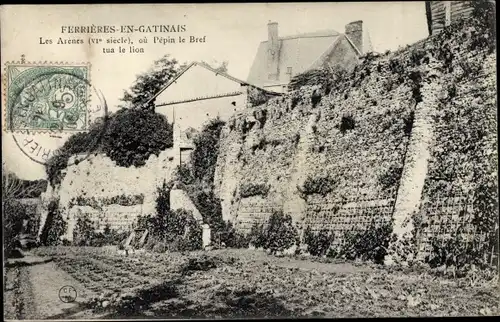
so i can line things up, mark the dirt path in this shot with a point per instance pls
(37, 292)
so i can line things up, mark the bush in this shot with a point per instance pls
(256, 236)
(13, 213)
(160, 247)
(318, 244)
(193, 239)
(458, 251)
(230, 237)
(204, 156)
(253, 189)
(368, 245)
(279, 233)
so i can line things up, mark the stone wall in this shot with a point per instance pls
(179, 199)
(297, 141)
(379, 170)
(99, 177)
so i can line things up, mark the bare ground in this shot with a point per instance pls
(235, 283)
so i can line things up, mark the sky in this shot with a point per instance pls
(233, 33)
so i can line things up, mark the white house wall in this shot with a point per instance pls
(197, 82)
(196, 113)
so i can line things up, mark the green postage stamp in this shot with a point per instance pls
(47, 97)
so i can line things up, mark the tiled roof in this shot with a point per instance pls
(299, 52)
(234, 79)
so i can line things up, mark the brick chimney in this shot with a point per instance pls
(273, 47)
(354, 30)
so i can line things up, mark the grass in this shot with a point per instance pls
(247, 283)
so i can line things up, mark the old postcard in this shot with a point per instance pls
(249, 160)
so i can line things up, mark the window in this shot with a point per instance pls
(289, 70)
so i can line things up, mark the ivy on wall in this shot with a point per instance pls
(125, 137)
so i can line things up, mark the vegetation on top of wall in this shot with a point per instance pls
(327, 77)
(257, 96)
(129, 140)
(253, 189)
(125, 137)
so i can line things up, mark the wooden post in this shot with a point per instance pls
(447, 8)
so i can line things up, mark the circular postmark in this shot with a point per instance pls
(47, 104)
(68, 294)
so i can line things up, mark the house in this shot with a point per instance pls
(196, 95)
(443, 13)
(278, 59)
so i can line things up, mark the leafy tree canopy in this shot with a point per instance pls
(151, 82)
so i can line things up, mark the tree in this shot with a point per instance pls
(204, 156)
(14, 212)
(150, 83)
(55, 226)
(13, 187)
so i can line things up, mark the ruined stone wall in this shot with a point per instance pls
(99, 177)
(386, 166)
(297, 141)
